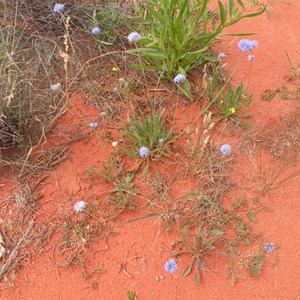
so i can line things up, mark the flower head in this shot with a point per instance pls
(179, 78)
(171, 266)
(251, 57)
(161, 141)
(225, 149)
(93, 125)
(79, 206)
(144, 151)
(58, 8)
(269, 247)
(232, 110)
(247, 45)
(55, 87)
(95, 31)
(221, 55)
(134, 37)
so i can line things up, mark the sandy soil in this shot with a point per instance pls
(142, 247)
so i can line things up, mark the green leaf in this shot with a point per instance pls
(239, 202)
(185, 91)
(187, 270)
(251, 216)
(145, 170)
(255, 14)
(214, 232)
(143, 67)
(223, 12)
(240, 2)
(197, 277)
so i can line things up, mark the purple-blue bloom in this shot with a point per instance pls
(171, 266)
(251, 57)
(93, 125)
(225, 149)
(179, 78)
(58, 8)
(221, 55)
(134, 37)
(144, 152)
(269, 247)
(247, 45)
(95, 30)
(79, 206)
(55, 87)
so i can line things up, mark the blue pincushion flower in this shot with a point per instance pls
(134, 37)
(55, 87)
(95, 31)
(251, 57)
(171, 266)
(247, 45)
(93, 125)
(58, 8)
(79, 206)
(225, 149)
(179, 78)
(144, 152)
(269, 247)
(221, 55)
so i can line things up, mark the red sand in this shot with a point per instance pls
(141, 246)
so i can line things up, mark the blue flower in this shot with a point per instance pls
(95, 30)
(134, 37)
(55, 87)
(225, 149)
(247, 45)
(144, 152)
(93, 125)
(171, 266)
(179, 78)
(79, 206)
(251, 57)
(221, 55)
(58, 8)
(269, 247)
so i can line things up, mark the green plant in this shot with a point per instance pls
(150, 132)
(229, 101)
(124, 191)
(197, 247)
(131, 295)
(255, 263)
(110, 18)
(295, 70)
(178, 34)
(121, 196)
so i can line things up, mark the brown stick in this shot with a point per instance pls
(15, 252)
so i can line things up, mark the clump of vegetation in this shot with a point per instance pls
(150, 132)
(179, 33)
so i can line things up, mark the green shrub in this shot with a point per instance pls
(178, 34)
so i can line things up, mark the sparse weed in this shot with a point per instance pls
(295, 70)
(255, 263)
(122, 196)
(131, 295)
(110, 19)
(197, 247)
(229, 101)
(151, 133)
